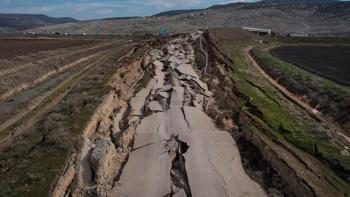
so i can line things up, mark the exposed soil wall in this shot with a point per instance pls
(29, 165)
(107, 139)
(228, 115)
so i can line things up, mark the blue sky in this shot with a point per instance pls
(92, 9)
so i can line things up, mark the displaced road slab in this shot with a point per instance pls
(178, 151)
(214, 152)
(177, 97)
(147, 172)
(186, 69)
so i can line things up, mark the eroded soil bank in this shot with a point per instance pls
(103, 148)
(37, 155)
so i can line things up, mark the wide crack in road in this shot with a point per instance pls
(178, 151)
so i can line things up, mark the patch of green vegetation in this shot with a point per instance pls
(283, 122)
(338, 91)
(332, 178)
(33, 175)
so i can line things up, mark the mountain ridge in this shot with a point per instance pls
(218, 6)
(312, 18)
(14, 22)
(298, 1)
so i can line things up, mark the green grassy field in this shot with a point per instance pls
(315, 81)
(283, 119)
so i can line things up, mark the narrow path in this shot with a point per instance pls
(27, 100)
(311, 111)
(31, 117)
(178, 151)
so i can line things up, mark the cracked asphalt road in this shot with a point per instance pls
(211, 164)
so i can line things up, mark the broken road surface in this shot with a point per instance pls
(178, 151)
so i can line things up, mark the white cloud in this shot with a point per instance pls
(171, 3)
(104, 11)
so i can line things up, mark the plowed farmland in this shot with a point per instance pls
(14, 47)
(329, 61)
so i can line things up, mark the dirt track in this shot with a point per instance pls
(36, 117)
(313, 112)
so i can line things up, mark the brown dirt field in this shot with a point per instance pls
(10, 48)
(328, 61)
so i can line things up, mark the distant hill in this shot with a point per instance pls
(285, 16)
(298, 1)
(13, 22)
(119, 18)
(176, 12)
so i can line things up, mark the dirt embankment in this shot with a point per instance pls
(107, 139)
(228, 115)
(37, 155)
(272, 162)
(335, 107)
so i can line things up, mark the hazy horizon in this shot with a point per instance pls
(91, 9)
